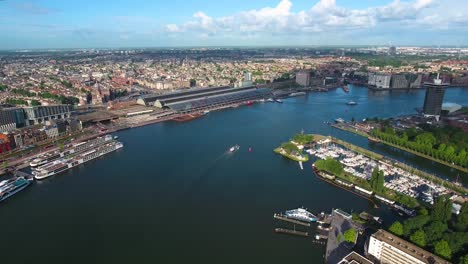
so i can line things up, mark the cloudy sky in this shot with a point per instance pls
(157, 23)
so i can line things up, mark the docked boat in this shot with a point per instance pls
(270, 100)
(279, 101)
(234, 148)
(339, 120)
(187, 117)
(402, 210)
(373, 139)
(297, 94)
(64, 164)
(12, 186)
(351, 103)
(206, 112)
(74, 149)
(301, 214)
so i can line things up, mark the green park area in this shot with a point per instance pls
(292, 150)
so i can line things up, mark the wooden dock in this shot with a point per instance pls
(291, 232)
(285, 218)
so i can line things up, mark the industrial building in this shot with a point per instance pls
(388, 248)
(39, 114)
(15, 117)
(203, 98)
(434, 97)
(11, 118)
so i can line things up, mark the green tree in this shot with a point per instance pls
(442, 248)
(35, 102)
(415, 223)
(464, 259)
(434, 231)
(350, 235)
(419, 238)
(457, 241)
(462, 218)
(423, 211)
(442, 209)
(377, 180)
(396, 228)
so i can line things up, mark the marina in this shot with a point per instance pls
(396, 179)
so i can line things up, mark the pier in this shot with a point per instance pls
(19, 173)
(285, 218)
(291, 232)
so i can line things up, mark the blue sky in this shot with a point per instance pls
(144, 23)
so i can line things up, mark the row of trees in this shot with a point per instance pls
(438, 231)
(46, 95)
(426, 143)
(60, 98)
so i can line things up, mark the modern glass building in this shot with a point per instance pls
(434, 98)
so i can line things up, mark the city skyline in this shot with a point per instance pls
(45, 24)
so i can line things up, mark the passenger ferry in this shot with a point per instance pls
(62, 165)
(301, 214)
(75, 148)
(12, 186)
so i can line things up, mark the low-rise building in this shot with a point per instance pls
(354, 258)
(388, 248)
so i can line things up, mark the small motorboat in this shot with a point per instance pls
(234, 148)
(351, 103)
(250, 149)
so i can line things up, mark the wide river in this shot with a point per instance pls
(173, 194)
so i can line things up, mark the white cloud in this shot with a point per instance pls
(324, 16)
